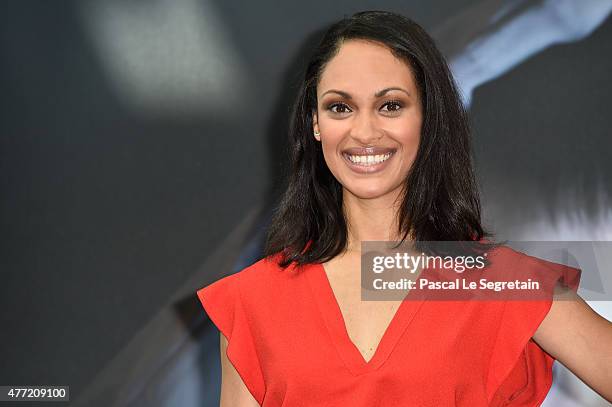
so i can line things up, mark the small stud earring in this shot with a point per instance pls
(317, 134)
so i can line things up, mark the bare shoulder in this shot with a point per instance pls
(570, 320)
(233, 390)
(573, 333)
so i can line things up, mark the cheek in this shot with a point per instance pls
(333, 159)
(409, 129)
(334, 130)
(409, 139)
(332, 134)
(412, 141)
(408, 136)
(330, 153)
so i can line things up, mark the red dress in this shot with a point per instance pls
(288, 342)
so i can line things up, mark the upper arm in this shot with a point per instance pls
(234, 392)
(581, 339)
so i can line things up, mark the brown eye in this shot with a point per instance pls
(339, 108)
(393, 106)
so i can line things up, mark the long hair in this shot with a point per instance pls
(440, 200)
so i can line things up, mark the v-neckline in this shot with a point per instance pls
(331, 313)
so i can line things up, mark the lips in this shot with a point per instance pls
(368, 150)
(368, 160)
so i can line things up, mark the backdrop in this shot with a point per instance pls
(141, 149)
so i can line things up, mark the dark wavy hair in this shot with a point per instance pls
(440, 200)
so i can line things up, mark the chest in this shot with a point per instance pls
(328, 339)
(365, 321)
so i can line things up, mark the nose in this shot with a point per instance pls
(364, 129)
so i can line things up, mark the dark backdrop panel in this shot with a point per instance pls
(107, 210)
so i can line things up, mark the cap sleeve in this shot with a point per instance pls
(520, 372)
(222, 302)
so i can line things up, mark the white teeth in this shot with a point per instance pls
(367, 160)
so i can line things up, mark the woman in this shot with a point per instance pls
(381, 152)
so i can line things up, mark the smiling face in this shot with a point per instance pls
(369, 118)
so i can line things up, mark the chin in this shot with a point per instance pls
(368, 191)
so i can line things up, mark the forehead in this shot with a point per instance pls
(364, 67)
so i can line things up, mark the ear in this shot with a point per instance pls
(315, 125)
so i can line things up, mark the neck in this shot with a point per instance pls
(371, 219)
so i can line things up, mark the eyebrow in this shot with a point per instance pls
(377, 94)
